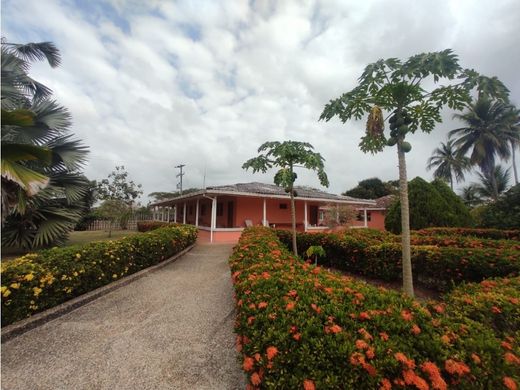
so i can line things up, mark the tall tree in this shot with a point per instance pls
(399, 88)
(286, 156)
(42, 186)
(486, 135)
(470, 196)
(448, 163)
(371, 188)
(486, 188)
(514, 139)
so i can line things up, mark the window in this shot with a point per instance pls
(322, 215)
(361, 217)
(283, 206)
(220, 209)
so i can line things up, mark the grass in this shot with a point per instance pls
(79, 238)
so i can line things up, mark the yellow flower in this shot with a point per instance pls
(78, 256)
(114, 276)
(75, 273)
(2, 290)
(64, 277)
(6, 293)
(29, 277)
(33, 307)
(37, 291)
(15, 285)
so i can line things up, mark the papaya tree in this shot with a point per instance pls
(286, 156)
(396, 91)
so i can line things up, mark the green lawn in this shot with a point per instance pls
(78, 238)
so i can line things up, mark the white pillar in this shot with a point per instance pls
(305, 216)
(365, 215)
(213, 217)
(168, 217)
(264, 222)
(175, 214)
(197, 214)
(184, 214)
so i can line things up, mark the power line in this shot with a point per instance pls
(180, 174)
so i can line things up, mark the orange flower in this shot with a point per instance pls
(475, 358)
(496, 310)
(439, 309)
(292, 293)
(290, 306)
(258, 357)
(328, 290)
(510, 383)
(407, 315)
(315, 308)
(357, 359)
(445, 339)
(308, 385)
(297, 336)
(365, 334)
(248, 363)
(250, 320)
(411, 378)
(360, 344)
(364, 316)
(415, 329)
(384, 336)
(369, 368)
(454, 367)
(435, 376)
(511, 358)
(408, 363)
(506, 345)
(262, 305)
(385, 384)
(370, 353)
(271, 352)
(335, 328)
(255, 379)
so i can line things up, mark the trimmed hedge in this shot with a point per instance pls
(300, 327)
(493, 234)
(379, 256)
(38, 281)
(146, 226)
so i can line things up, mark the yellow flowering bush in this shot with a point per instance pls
(38, 281)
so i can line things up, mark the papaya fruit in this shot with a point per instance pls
(406, 147)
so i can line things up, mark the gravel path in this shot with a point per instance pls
(172, 329)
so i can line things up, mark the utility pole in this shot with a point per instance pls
(180, 175)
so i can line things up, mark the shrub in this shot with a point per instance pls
(299, 326)
(505, 212)
(430, 205)
(436, 267)
(493, 234)
(146, 226)
(38, 281)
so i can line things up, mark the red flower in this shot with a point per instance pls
(360, 344)
(454, 367)
(258, 357)
(364, 316)
(255, 379)
(415, 329)
(315, 308)
(250, 320)
(290, 306)
(496, 310)
(510, 383)
(506, 345)
(407, 315)
(408, 363)
(248, 364)
(335, 329)
(411, 378)
(370, 353)
(292, 293)
(511, 358)
(297, 336)
(475, 358)
(271, 352)
(384, 336)
(308, 385)
(385, 384)
(435, 376)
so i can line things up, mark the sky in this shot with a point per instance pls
(154, 84)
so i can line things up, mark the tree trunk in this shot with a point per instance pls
(513, 158)
(293, 221)
(110, 229)
(405, 222)
(494, 185)
(451, 181)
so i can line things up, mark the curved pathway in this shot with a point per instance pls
(172, 329)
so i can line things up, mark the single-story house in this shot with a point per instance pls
(222, 212)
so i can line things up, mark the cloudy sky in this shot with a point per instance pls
(152, 84)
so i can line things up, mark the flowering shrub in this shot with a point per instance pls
(300, 327)
(146, 226)
(494, 234)
(434, 266)
(38, 281)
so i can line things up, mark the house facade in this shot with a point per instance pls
(222, 212)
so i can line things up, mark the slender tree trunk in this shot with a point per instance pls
(451, 181)
(494, 185)
(110, 229)
(405, 222)
(293, 221)
(513, 158)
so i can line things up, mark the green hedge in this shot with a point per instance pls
(146, 226)
(42, 280)
(493, 234)
(368, 254)
(300, 327)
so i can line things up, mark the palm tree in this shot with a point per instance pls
(485, 136)
(42, 188)
(501, 177)
(448, 163)
(470, 195)
(514, 139)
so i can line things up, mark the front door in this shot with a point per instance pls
(313, 215)
(230, 216)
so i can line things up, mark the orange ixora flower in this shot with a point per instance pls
(510, 383)
(271, 352)
(496, 310)
(290, 306)
(415, 329)
(361, 344)
(435, 376)
(364, 316)
(511, 358)
(454, 367)
(248, 363)
(411, 378)
(308, 385)
(475, 358)
(335, 329)
(384, 336)
(408, 363)
(406, 315)
(370, 353)
(255, 379)
(385, 384)
(262, 305)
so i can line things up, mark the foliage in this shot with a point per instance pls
(163, 195)
(146, 226)
(118, 187)
(339, 215)
(299, 326)
(315, 251)
(448, 163)
(371, 188)
(38, 281)
(470, 196)
(430, 205)
(505, 212)
(500, 179)
(439, 262)
(43, 192)
(286, 156)
(492, 234)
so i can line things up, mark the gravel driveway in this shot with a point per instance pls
(172, 329)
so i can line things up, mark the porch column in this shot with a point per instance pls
(168, 217)
(365, 217)
(305, 216)
(337, 214)
(197, 214)
(175, 214)
(264, 221)
(213, 217)
(184, 213)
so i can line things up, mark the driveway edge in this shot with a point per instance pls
(18, 328)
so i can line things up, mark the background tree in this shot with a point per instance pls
(493, 187)
(486, 135)
(470, 196)
(163, 195)
(339, 215)
(514, 139)
(42, 186)
(286, 156)
(371, 188)
(399, 88)
(505, 212)
(448, 163)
